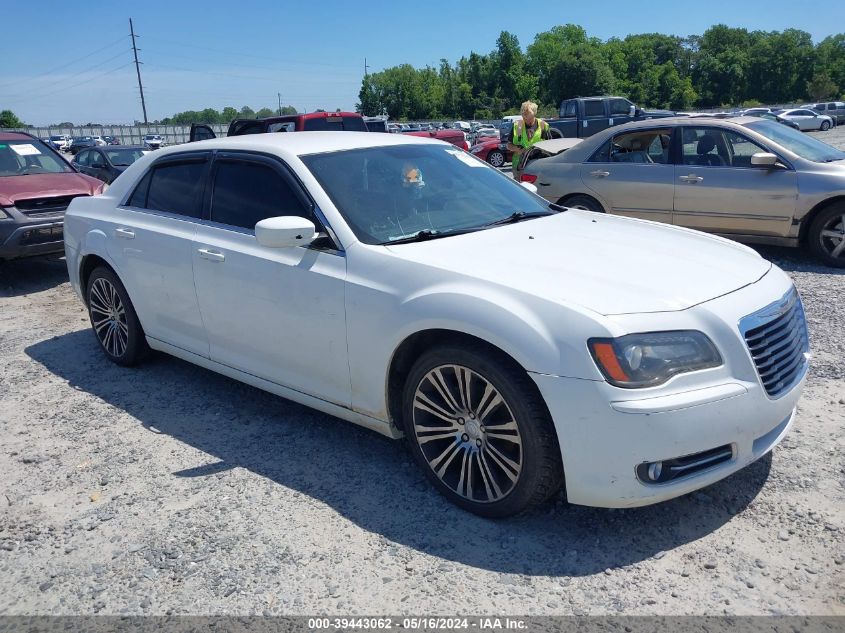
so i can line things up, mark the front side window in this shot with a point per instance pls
(177, 188)
(620, 107)
(704, 147)
(393, 193)
(83, 159)
(124, 157)
(29, 156)
(245, 193)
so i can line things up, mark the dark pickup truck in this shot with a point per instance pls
(584, 116)
(312, 121)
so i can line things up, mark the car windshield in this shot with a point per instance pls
(25, 157)
(124, 157)
(797, 142)
(396, 192)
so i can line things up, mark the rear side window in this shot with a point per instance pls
(246, 127)
(569, 109)
(594, 107)
(335, 123)
(139, 196)
(245, 193)
(177, 188)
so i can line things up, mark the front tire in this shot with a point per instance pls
(480, 431)
(826, 236)
(113, 318)
(825, 126)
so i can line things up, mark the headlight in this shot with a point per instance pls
(652, 358)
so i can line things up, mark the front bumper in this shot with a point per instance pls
(609, 436)
(29, 239)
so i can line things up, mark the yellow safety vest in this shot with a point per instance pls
(520, 137)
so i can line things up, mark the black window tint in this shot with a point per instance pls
(239, 128)
(569, 109)
(602, 154)
(176, 188)
(619, 107)
(139, 196)
(594, 107)
(245, 193)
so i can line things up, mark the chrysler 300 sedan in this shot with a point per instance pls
(746, 178)
(402, 284)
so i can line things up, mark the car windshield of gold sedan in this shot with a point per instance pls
(797, 142)
(401, 192)
(21, 158)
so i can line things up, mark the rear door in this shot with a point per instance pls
(201, 132)
(594, 117)
(633, 174)
(718, 190)
(150, 238)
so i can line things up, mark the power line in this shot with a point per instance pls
(81, 72)
(65, 65)
(62, 89)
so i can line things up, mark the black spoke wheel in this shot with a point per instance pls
(478, 427)
(113, 318)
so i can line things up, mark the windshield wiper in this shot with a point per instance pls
(518, 216)
(428, 234)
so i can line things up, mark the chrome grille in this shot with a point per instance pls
(778, 342)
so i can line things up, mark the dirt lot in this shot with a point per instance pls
(170, 489)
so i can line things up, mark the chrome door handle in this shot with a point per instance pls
(212, 256)
(126, 234)
(600, 173)
(691, 178)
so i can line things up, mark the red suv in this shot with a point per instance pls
(36, 186)
(311, 122)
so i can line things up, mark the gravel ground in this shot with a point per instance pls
(169, 489)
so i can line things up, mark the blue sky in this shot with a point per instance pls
(72, 60)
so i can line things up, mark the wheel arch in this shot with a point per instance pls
(807, 220)
(410, 349)
(563, 200)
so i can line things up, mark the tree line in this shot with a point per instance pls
(226, 115)
(724, 67)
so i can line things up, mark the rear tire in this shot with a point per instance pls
(496, 158)
(478, 427)
(585, 203)
(113, 318)
(826, 236)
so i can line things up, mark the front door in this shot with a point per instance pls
(633, 174)
(275, 313)
(718, 190)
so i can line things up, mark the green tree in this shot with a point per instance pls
(228, 114)
(9, 119)
(263, 113)
(821, 87)
(246, 113)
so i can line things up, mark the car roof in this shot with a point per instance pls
(300, 143)
(15, 136)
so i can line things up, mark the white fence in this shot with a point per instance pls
(128, 134)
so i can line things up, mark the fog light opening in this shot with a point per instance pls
(654, 471)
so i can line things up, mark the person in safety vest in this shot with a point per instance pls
(527, 131)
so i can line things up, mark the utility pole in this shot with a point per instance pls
(279, 94)
(138, 70)
(365, 68)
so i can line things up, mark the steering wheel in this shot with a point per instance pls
(26, 168)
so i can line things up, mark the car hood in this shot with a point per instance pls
(658, 113)
(607, 264)
(557, 145)
(14, 188)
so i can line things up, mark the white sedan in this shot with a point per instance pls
(404, 285)
(807, 119)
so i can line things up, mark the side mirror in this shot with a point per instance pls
(530, 186)
(632, 110)
(284, 231)
(764, 159)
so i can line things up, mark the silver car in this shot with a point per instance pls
(745, 178)
(807, 119)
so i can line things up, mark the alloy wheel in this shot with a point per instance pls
(108, 317)
(467, 433)
(832, 236)
(497, 159)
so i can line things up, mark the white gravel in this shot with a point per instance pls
(170, 489)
